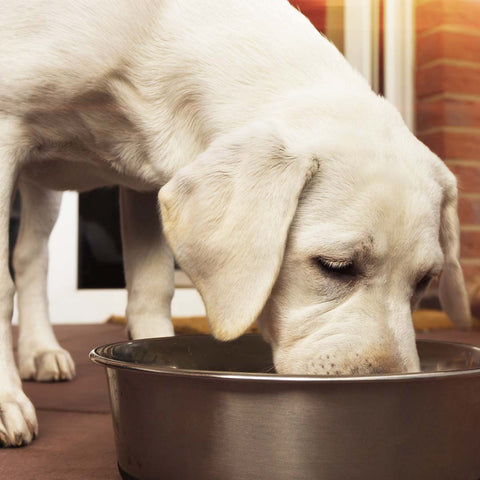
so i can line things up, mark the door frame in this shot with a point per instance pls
(399, 48)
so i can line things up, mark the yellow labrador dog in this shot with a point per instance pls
(289, 191)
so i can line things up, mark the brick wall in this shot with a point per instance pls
(326, 15)
(314, 10)
(448, 104)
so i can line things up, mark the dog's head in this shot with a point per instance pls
(326, 226)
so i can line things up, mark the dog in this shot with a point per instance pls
(288, 191)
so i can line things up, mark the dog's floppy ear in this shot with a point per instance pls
(226, 217)
(452, 291)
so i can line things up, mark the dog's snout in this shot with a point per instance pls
(376, 362)
(371, 361)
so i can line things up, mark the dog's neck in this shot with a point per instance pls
(212, 80)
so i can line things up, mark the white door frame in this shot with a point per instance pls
(358, 36)
(398, 20)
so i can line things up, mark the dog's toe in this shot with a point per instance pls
(54, 366)
(48, 366)
(18, 422)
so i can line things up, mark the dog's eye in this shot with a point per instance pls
(340, 267)
(423, 283)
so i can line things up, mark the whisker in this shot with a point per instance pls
(269, 369)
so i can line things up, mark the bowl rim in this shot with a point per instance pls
(99, 359)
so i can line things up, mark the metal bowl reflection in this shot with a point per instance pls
(191, 407)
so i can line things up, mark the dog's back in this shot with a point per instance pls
(160, 78)
(57, 49)
(53, 50)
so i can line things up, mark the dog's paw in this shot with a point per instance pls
(137, 330)
(47, 366)
(18, 422)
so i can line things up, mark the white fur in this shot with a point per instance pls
(274, 152)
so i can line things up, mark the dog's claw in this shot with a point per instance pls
(18, 439)
(18, 422)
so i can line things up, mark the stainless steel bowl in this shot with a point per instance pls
(190, 407)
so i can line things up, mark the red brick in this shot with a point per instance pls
(433, 140)
(471, 271)
(470, 244)
(447, 12)
(443, 112)
(463, 145)
(449, 45)
(468, 177)
(453, 144)
(447, 77)
(314, 10)
(469, 210)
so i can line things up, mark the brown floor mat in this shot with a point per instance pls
(71, 446)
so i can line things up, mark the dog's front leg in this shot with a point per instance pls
(148, 265)
(40, 357)
(18, 423)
